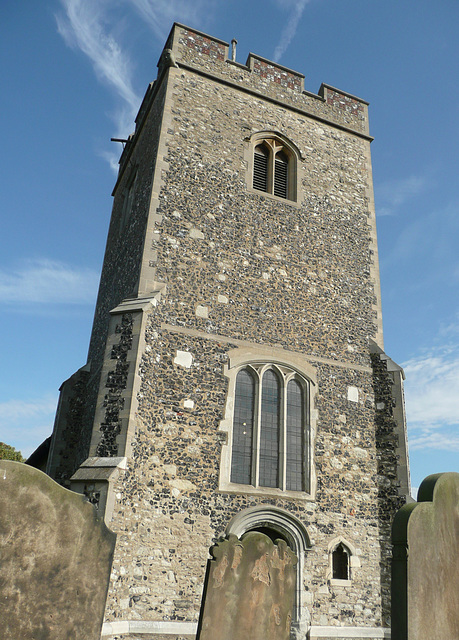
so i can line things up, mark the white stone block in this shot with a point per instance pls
(352, 394)
(195, 233)
(184, 359)
(170, 469)
(182, 485)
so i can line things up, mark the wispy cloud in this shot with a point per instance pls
(24, 424)
(94, 29)
(160, 14)
(391, 195)
(48, 282)
(435, 440)
(432, 399)
(16, 411)
(296, 8)
(83, 27)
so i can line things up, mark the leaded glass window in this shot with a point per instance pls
(241, 462)
(296, 450)
(270, 440)
(269, 430)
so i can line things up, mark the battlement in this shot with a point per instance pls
(219, 49)
(209, 55)
(198, 52)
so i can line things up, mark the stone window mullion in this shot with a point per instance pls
(256, 432)
(283, 438)
(271, 169)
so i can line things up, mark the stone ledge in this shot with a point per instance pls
(354, 633)
(151, 627)
(99, 468)
(131, 305)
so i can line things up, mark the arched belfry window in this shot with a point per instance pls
(281, 175)
(274, 168)
(270, 436)
(260, 167)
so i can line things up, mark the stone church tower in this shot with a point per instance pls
(236, 378)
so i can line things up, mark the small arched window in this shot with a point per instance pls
(343, 561)
(340, 563)
(274, 168)
(270, 439)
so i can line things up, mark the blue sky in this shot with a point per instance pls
(73, 73)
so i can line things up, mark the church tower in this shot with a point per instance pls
(236, 378)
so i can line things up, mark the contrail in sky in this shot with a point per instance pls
(288, 32)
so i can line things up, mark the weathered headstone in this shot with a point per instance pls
(250, 590)
(55, 559)
(425, 565)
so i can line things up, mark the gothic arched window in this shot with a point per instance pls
(340, 563)
(270, 439)
(343, 561)
(274, 168)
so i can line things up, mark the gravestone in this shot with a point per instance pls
(55, 559)
(425, 565)
(250, 590)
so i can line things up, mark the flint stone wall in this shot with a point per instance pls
(244, 267)
(169, 510)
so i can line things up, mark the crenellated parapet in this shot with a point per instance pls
(211, 55)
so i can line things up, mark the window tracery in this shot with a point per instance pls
(270, 439)
(274, 167)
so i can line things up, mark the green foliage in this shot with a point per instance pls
(9, 453)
